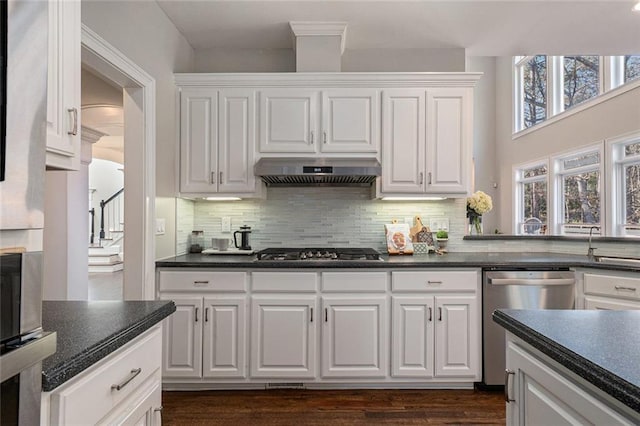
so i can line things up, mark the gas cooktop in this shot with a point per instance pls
(318, 254)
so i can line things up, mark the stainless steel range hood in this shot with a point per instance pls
(318, 171)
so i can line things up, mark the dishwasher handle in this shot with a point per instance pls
(532, 281)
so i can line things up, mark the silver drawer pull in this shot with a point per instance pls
(200, 283)
(507, 377)
(621, 287)
(434, 282)
(133, 375)
(74, 117)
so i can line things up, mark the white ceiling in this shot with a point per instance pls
(484, 28)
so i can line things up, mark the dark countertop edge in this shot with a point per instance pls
(510, 237)
(620, 389)
(61, 373)
(413, 263)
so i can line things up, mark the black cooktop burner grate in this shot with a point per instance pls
(315, 253)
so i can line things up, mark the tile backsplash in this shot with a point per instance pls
(299, 217)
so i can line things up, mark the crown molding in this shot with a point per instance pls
(319, 29)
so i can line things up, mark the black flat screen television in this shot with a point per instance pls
(3, 86)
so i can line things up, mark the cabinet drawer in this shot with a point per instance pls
(202, 281)
(434, 281)
(609, 303)
(354, 281)
(611, 285)
(89, 397)
(284, 281)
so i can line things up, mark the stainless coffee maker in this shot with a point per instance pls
(244, 238)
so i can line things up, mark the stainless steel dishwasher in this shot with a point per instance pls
(518, 289)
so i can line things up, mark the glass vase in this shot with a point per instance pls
(475, 225)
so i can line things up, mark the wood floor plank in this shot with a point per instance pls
(333, 407)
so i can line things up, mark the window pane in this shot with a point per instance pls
(582, 198)
(535, 90)
(631, 67)
(535, 203)
(534, 171)
(581, 79)
(632, 196)
(632, 149)
(582, 160)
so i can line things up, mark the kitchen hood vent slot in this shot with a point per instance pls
(318, 172)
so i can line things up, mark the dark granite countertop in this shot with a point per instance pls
(89, 331)
(449, 260)
(602, 347)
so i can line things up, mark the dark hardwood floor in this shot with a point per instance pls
(333, 407)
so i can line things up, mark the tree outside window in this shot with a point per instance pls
(631, 67)
(581, 79)
(534, 90)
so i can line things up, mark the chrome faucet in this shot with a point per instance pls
(591, 249)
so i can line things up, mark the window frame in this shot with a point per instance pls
(616, 199)
(611, 80)
(520, 181)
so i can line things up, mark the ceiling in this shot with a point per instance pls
(484, 28)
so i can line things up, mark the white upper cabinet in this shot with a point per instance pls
(350, 120)
(403, 141)
(217, 141)
(288, 120)
(427, 140)
(63, 92)
(293, 122)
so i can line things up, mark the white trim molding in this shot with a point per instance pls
(319, 29)
(102, 56)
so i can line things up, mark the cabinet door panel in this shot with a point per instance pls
(605, 303)
(287, 121)
(236, 142)
(403, 141)
(412, 345)
(63, 86)
(224, 345)
(354, 340)
(198, 140)
(283, 337)
(182, 340)
(448, 140)
(457, 337)
(350, 120)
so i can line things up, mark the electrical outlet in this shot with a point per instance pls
(160, 226)
(439, 223)
(226, 224)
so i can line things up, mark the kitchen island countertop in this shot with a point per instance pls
(89, 331)
(449, 260)
(602, 347)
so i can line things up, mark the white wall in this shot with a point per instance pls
(360, 60)
(95, 90)
(106, 178)
(484, 135)
(142, 32)
(608, 119)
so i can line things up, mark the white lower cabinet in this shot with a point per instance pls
(612, 290)
(206, 337)
(283, 339)
(541, 392)
(354, 336)
(321, 327)
(436, 325)
(122, 389)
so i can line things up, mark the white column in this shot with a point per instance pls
(66, 228)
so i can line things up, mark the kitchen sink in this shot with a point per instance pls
(612, 260)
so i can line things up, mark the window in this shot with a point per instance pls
(532, 198)
(545, 86)
(533, 74)
(578, 189)
(581, 79)
(626, 187)
(631, 67)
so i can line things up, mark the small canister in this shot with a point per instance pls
(196, 242)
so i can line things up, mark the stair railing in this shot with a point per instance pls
(92, 234)
(113, 216)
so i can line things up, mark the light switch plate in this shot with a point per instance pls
(226, 224)
(439, 223)
(161, 226)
